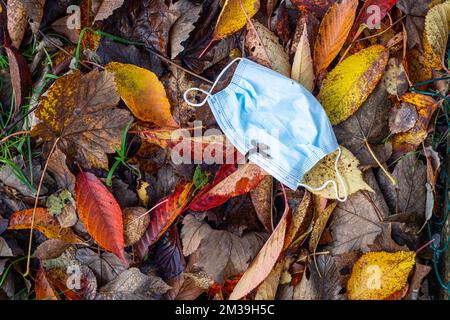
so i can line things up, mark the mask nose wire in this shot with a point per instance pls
(341, 181)
(207, 93)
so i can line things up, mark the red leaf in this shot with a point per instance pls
(239, 182)
(163, 217)
(20, 76)
(43, 289)
(363, 16)
(100, 213)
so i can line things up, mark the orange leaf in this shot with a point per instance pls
(43, 222)
(100, 213)
(143, 93)
(163, 217)
(242, 181)
(264, 262)
(44, 290)
(333, 32)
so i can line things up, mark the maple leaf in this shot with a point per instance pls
(79, 110)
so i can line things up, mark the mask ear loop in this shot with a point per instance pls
(207, 93)
(341, 181)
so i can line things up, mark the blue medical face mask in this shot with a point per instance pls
(261, 107)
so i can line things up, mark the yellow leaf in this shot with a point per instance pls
(380, 275)
(324, 170)
(302, 67)
(348, 85)
(143, 93)
(232, 18)
(437, 28)
(333, 31)
(265, 47)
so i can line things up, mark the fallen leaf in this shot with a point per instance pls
(268, 288)
(163, 217)
(300, 219)
(57, 166)
(50, 249)
(319, 226)
(409, 194)
(232, 18)
(104, 8)
(437, 27)
(135, 223)
(264, 262)
(247, 177)
(44, 223)
(267, 50)
(219, 253)
(100, 213)
(380, 275)
(20, 76)
(43, 289)
(17, 21)
(356, 222)
(35, 11)
(319, 7)
(322, 282)
(79, 109)
(420, 272)
(133, 285)
(369, 123)
(169, 254)
(333, 32)
(324, 170)
(302, 67)
(408, 141)
(366, 16)
(189, 14)
(143, 93)
(415, 20)
(5, 250)
(348, 85)
(262, 199)
(402, 118)
(395, 78)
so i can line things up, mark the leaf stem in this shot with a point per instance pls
(378, 162)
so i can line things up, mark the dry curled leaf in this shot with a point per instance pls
(324, 170)
(79, 110)
(135, 223)
(380, 275)
(437, 27)
(348, 85)
(102, 9)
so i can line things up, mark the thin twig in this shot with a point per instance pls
(13, 135)
(27, 272)
(379, 163)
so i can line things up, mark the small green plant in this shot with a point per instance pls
(121, 156)
(200, 178)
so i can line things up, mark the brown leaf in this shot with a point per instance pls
(319, 226)
(333, 31)
(402, 118)
(408, 195)
(262, 198)
(17, 21)
(58, 167)
(20, 76)
(44, 290)
(395, 78)
(322, 282)
(420, 272)
(102, 9)
(356, 222)
(300, 219)
(79, 109)
(269, 52)
(135, 223)
(369, 122)
(50, 249)
(263, 263)
(319, 7)
(219, 253)
(268, 288)
(35, 11)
